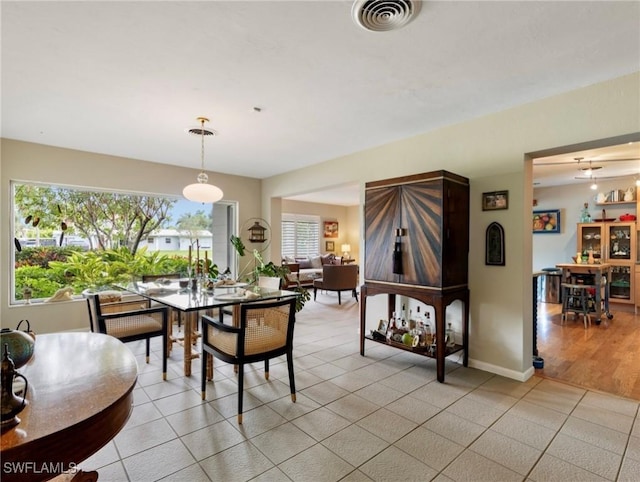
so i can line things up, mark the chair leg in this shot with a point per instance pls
(165, 355)
(339, 300)
(315, 291)
(203, 373)
(292, 381)
(240, 390)
(355, 294)
(266, 369)
(148, 348)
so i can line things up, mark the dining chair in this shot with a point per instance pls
(129, 321)
(269, 282)
(264, 331)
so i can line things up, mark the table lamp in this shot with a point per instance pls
(346, 249)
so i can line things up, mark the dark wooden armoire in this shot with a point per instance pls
(417, 245)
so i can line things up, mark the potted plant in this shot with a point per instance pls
(271, 269)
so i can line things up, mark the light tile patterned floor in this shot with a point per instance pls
(382, 417)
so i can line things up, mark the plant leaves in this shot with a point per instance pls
(63, 226)
(28, 219)
(16, 242)
(59, 209)
(61, 237)
(36, 221)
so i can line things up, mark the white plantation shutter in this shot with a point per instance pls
(300, 235)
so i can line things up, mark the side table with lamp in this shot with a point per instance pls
(346, 254)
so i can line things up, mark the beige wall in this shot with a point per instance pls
(490, 151)
(34, 162)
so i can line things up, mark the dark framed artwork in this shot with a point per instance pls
(330, 229)
(493, 201)
(329, 246)
(494, 245)
(546, 222)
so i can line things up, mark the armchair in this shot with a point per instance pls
(337, 278)
(128, 321)
(265, 331)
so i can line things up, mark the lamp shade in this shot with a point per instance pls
(202, 193)
(346, 248)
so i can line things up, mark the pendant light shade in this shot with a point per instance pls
(202, 191)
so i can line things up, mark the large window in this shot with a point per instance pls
(79, 238)
(300, 235)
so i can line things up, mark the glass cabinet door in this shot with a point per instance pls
(620, 245)
(620, 285)
(590, 238)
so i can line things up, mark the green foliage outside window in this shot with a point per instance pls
(47, 269)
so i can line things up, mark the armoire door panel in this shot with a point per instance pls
(422, 217)
(382, 218)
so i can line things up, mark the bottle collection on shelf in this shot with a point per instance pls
(416, 333)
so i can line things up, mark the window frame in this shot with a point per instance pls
(231, 210)
(311, 246)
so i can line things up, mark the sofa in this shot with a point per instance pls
(306, 269)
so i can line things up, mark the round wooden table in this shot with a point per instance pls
(80, 395)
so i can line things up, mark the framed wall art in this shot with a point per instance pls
(546, 221)
(494, 245)
(329, 246)
(493, 201)
(330, 229)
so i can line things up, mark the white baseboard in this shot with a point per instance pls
(515, 375)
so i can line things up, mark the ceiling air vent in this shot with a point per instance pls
(383, 15)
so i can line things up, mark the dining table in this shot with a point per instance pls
(194, 300)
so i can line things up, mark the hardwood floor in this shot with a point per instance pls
(603, 357)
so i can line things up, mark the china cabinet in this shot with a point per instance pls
(613, 243)
(417, 245)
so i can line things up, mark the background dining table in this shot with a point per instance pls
(192, 302)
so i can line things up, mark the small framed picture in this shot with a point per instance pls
(330, 229)
(546, 222)
(329, 246)
(382, 327)
(493, 201)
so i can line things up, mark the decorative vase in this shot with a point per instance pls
(20, 344)
(628, 195)
(10, 404)
(591, 259)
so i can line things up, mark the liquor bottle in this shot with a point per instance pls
(428, 334)
(450, 338)
(393, 327)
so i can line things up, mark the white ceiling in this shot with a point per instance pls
(127, 78)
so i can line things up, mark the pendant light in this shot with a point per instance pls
(202, 191)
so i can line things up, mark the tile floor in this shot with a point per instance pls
(382, 417)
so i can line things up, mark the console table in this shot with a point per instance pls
(439, 299)
(80, 395)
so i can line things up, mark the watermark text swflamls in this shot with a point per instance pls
(39, 468)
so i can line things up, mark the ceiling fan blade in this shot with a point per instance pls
(601, 161)
(599, 178)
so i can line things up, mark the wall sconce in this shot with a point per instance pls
(346, 249)
(257, 233)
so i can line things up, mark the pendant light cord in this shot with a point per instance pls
(202, 142)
